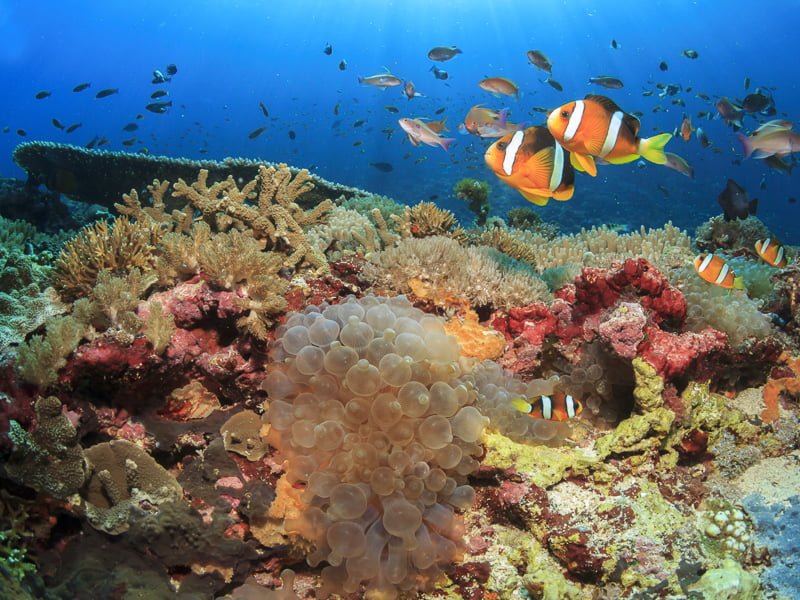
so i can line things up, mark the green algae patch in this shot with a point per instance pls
(543, 465)
(638, 433)
(649, 386)
(729, 581)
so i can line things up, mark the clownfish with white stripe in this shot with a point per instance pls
(771, 252)
(558, 407)
(596, 127)
(534, 164)
(716, 271)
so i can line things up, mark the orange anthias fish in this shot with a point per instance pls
(686, 128)
(420, 132)
(533, 163)
(499, 86)
(771, 252)
(716, 271)
(488, 123)
(597, 127)
(558, 407)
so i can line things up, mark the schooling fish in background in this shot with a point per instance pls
(730, 112)
(539, 60)
(263, 108)
(419, 132)
(756, 102)
(56, 123)
(488, 123)
(771, 252)
(158, 107)
(663, 66)
(735, 202)
(774, 138)
(42, 95)
(605, 81)
(778, 164)
(716, 271)
(615, 45)
(702, 137)
(81, 86)
(106, 92)
(443, 53)
(342, 65)
(499, 86)
(558, 407)
(73, 127)
(439, 73)
(409, 91)
(554, 84)
(328, 49)
(677, 163)
(381, 80)
(686, 128)
(159, 94)
(689, 53)
(597, 127)
(533, 163)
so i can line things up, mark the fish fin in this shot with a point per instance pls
(747, 147)
(632, 123)
(537, 199)
(564, 194)
(502, 118)
(621, 160)
(521, 405)
(583, 162)
(760, 154)
(604, 101)
(738, 283)
(412, 140)
(462, 129)
(539, 166)
(652, 148)
(445, 143)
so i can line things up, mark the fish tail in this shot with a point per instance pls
(738, 283)
(445, 143)
(502, 118)
(747, 147)
(652, 149)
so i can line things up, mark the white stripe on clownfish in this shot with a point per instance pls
(558, 167)
(706, 261)
(511, 151)
(612, 134)
(723, 273)
(570, 404)
(547, 407)
(574, 121)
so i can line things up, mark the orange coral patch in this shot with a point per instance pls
(781, 387)
(476, 341)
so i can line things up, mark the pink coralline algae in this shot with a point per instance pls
(673, 354)
(632, 307)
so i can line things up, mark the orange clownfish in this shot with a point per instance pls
(716, 271)
(597, 127)
(771, 253)
(559, 407)
(533, 163)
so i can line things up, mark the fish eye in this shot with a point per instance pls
(564, 113)
(501, 145)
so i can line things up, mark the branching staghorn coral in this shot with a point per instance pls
(267, 205)
(118, 247)
(40, 358)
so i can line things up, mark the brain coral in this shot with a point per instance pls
(368, 409)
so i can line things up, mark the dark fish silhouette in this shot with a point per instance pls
(57, 124)
(689, 53)
(129, 142)
(663, 65)
(443, 53)
(554, 84)
(106, 92)
(342, 65)
(614, 44)
(171, 69)
(42, 95)
(735, 202)
(73, 127)
(130, 127)
(292, 134)
(383, 167)
(328, 49)
(22, 132)
(158, 107)
(256, 132)
(605, 81)
(158, 94)
(81, 86)
(263, 109)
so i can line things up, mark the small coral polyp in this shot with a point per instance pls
(368, 409)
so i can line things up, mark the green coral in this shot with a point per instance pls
(40, 358)
(730, 581)
(476, 194)
(49, 460)
(159, 327)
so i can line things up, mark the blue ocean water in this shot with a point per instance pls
(233, 55)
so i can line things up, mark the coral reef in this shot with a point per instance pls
(476, 194)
